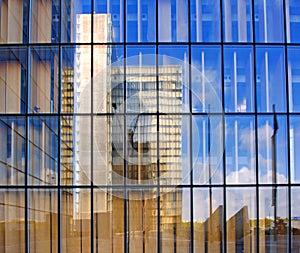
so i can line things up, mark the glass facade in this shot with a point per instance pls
(149, 126)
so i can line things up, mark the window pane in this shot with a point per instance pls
(205, 21)
(294, 81)
(295, 212)
(173, 20)
(295, 148)
(76, 20)
(268, 16)
(42, 220)
(14, 21)
(240, 150)
(140, 21)
(273, 234)
(208, 220)
(75, 220)
(292, 21)
(43, 150)
(44, 81)
(12, 216)
(108, 21)
(237, 20)
(12, 150)
(241, 220)
(206, 79)
(45, 18)
(268, 173)
(270, 79)
(13, 69)
(238, 79)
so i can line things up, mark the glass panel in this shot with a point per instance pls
(206, 79)
(14, 21)
(207, 149)
(294, 149)
(175, 219)
(294, 78)
(205, 21)
(108, 21)
(140, 21)
(272, 166)
(44, 80)
(238, 79)
(109, 221)
(142, 220)
(268, 17)
(295, 212)
(237, 20)
(270, 79)
(173, 73)
(75, 150)
(13, 71)
(76, 20)
(12, 150)
(240, 150)
(241, 220)
(43, 151)
(173, 20)
(140, 80)
(292, 21)
(273, 233)
(208, 220)
(174, 149)
(12, 217)
(42, 220)
(76, 79)
(45, 18)
(75, 220)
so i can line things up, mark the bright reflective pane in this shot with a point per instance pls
(206, 79)
(75, 218)
(12, 150)
(294, 149)
(237, 20)
(208, 220)
(12, 217)
(140, 21)
(43, 220)
(173, 81)
(42, 150)
(292, 9)
(76, 79)
(207, 141)
(173, 21)
(241, 220)
(13, 69)
(272, 165)
(294, 75)
(273, 233)
(238, 79)
(295, 212)
(108, 21)
(240, 150)
(269, 22)
(142, 220)
(205, 21)
(76, 20)
(75, 153)
(14, 21)
(109, 221)
(45, 20)
(44, 80)
(175, 219)
(270, 79)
